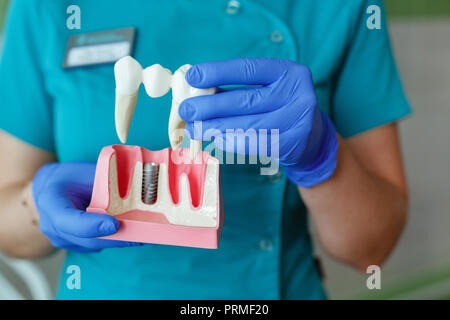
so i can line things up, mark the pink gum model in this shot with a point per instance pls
(117, 180)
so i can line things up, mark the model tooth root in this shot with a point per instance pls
(128, 76)
(181, 90)
(124, 110)
(176, 127)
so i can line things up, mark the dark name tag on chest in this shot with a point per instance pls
(98, 47)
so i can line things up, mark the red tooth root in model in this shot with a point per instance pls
(188, 210)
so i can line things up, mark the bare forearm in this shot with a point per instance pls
(358, 215)
(19, 232)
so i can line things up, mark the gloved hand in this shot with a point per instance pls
(284, 99)
(61, 192)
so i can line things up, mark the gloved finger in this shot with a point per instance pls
(65, 218)
(79, 173)
(263, 71)
(99, 244)
(231, 103)
(106, 243)
(72, 243)
(66, 245)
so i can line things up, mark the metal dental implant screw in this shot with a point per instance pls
(150, 182)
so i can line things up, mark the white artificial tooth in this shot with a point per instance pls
(157, 80)
(128, 75)
(182, 90)
(125, 106)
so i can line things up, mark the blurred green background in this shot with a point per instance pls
(425, 8)
(3, 7)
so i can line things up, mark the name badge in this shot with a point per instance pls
(98, 47)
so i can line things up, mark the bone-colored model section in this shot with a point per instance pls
(180, 214)
(157, 81)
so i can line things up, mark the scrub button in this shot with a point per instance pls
(276, 36)
(233, 7)
(266, 245)
(274, 178)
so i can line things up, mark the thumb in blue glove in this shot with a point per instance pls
(283, 99)
(62, 192)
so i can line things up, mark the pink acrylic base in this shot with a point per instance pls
(153, 227)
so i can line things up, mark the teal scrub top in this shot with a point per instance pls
(265, 250)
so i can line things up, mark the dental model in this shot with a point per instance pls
(162, 196)
(157, 82)
(187, 209)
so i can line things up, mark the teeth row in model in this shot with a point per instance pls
(157, 81)
(150, 182)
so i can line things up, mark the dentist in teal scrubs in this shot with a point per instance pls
(311, 69)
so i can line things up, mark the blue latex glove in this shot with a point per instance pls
(284, 99)
(62, 192)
